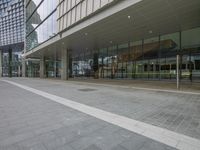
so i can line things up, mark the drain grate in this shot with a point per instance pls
(87, 90)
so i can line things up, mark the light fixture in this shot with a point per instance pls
(150, 31)
(129, 17)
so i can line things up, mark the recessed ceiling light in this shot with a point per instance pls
(129, 17)
(150, 31)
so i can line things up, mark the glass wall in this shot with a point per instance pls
(190, 42)
(11, 22)
(15, 64)
(169, 48)
(41, 22)
(153, 58)
(44, 20)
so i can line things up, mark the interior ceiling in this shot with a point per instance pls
(158, 16)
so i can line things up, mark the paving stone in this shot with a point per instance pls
(164, 109)
(65, 147)
(136, 142)
(118, 147)
(155, 146)
(93, 147)
(31, 121)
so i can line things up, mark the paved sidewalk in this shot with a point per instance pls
(27, 117)
(30, 122)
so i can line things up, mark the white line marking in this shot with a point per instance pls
(162, 135)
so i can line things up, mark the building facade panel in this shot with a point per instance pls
(11, 36)
(136, 44)
(72, 11)
(11, 22)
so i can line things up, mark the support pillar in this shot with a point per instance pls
(1, 70)
(55, 67)
(42, 68)
(19, 71)
(177, 71)
(10, 63)
(64, 64)
(23, 67)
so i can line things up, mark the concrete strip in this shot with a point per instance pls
(162, 135)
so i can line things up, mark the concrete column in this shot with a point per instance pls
(19, 71)
(178, 71)
(64, 65)
(1, 71)
(10, 63)
(55, 67)
(23, 67)
(42, 68)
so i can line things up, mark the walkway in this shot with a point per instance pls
(34, 115)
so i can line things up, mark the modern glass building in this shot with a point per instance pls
(114, 39)
(11, 36)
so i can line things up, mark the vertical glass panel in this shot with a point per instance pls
(50, 26)
(169, 45)
(191, 58)
(190, 38)
(150, 54)
(137, 58)
(45, 30)
(123, 57)
(54, 24)
(102, 62)
(112, 62)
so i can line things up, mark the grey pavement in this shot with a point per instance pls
(29, 121)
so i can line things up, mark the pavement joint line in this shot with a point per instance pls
(158, 134)
(140, 88)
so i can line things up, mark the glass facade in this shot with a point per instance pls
(45, 18)
(153, 58)
(15, 64)
(11, 22)
(11, 36)
(41, 21)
